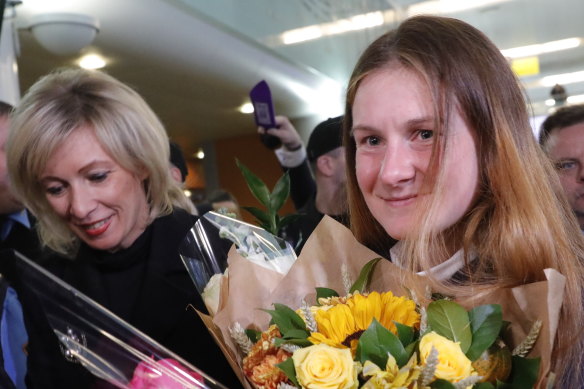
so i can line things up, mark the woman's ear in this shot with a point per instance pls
(142, 173)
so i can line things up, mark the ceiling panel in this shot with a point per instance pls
(195, 60)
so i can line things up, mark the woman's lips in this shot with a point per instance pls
(400, 201)
(97, 228)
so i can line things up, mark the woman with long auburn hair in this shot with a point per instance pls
(441, 156)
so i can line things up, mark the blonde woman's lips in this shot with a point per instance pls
(97, 228)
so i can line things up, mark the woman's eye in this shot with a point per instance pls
(54, 190)
(425, 134)
(98, 177)
(372, 140)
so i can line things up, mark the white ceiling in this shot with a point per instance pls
(194, 61)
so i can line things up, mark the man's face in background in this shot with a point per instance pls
(566, 148)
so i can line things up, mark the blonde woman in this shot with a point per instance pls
(441, 156)
(91, 160)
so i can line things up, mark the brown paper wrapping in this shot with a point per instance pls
(332, 246)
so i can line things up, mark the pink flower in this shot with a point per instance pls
(163, 374)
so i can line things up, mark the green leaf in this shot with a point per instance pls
(325, 293)
(257, 187)
(485, 323)
(483, 385)
(523, 373)
(442, 384)
(253, 335)
(262, 217)
(450, 320)
(404, 333)
(410, 348)
(296, 334)
(364, 276)
(280, 193)
(288, 368)
(286, 319)
(376, 342)
(299, 342)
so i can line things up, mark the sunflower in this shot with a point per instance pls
(341, 325)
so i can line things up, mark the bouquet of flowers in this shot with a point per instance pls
(378, 340)
(101, 342)
(409, 343)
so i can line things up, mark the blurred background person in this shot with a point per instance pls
(326, 158)
(16, 233)
(90, 159)
(178, 165)
(179, 170)
(293, 159)
(223, 202)
(562, 138)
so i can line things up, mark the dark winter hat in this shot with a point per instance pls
(325, 137)
(177, 159)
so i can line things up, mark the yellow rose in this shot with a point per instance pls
(453, 365)
(323, 366)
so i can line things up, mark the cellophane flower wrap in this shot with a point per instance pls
(101, 342)
(379, 339)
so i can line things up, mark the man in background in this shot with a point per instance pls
(323, 194)
(15, 233)
(179, 170)
(562, 138)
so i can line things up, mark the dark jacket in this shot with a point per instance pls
(298, 231)
(146, 285)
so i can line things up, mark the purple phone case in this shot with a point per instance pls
(261, 98)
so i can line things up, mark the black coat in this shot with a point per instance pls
(146, 285)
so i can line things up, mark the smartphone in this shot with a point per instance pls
(263, 111)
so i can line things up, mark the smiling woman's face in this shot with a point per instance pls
(101, 202)
(393, 126)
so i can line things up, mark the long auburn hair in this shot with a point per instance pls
(125, 126)
(520, 222)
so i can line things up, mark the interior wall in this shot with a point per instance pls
(258, 159)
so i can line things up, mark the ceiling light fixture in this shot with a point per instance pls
(64, 33)
(448, 6)
(92, 61)
(542, 48)
(576, 99)
(562, 79)
(377, 18)
(354, 23)
(246, 108)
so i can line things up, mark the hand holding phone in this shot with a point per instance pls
(263, 111)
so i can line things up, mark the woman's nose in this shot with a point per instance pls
(397, 166)
(81, 203)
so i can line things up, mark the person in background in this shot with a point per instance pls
(178, 165)
(325, 154)
(441, 156)
(16, 233)
(90, 159)
(179, 171)
(293, 159)
(225, 203)
(562, 138)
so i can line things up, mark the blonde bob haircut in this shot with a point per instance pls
(520, 222)
(127, 129)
